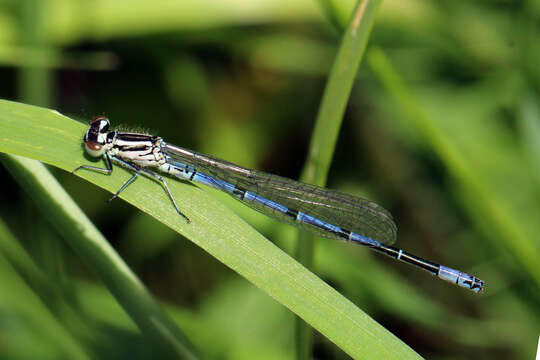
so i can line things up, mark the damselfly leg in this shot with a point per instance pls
(136, 171)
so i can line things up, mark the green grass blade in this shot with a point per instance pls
(327, 126)
(47, 286)
(21, 300)
(50, 137)
(329, 9)
(529, 127)
(337, 91)
(91, 246)
(17, 256)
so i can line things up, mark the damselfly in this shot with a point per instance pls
(328, 213)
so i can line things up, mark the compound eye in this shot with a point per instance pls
(101, 122)
(94, 149)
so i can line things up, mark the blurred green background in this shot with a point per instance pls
(442, 129)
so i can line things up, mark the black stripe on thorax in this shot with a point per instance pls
(129, 142)
(136, 137)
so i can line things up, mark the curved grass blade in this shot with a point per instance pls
(21, 300)
(327, 126)
(50, 137)
(91, 246)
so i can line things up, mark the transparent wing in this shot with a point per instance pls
(346, 211)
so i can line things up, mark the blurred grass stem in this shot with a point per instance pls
(326, 131)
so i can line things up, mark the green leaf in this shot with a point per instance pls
(55, 139)
(91, 246)
(329, 119)
(21, 300)
(337, 92)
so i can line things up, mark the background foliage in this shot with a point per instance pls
(442, 128)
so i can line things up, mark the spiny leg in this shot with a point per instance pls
(106, 171)
(166, 187)
(109, 170)
(152, 175)
(137, 171)
(126, 184)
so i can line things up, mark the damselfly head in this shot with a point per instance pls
(95, 137)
